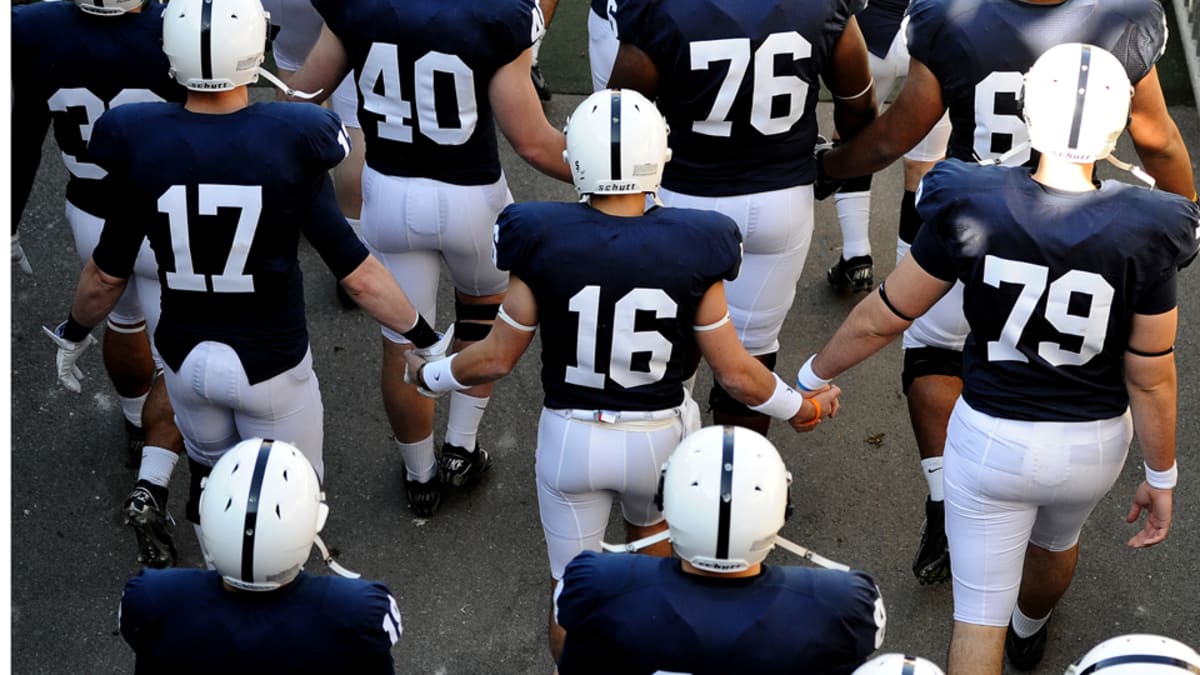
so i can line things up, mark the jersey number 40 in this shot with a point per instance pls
(383, 67)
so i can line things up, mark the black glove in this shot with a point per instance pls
(825, 184)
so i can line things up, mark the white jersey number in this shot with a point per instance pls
(382, 70)
(626, 341)
(765, 87)
(1092, 327)
(93, 107)
(989, 122)
(391, 621)
(248, 200)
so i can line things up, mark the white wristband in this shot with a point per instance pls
(807, 380)
(1163, 480)
(784, 403)
(436, 376)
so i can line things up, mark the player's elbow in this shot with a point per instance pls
(739, 384)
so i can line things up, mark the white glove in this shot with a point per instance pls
(68, 354)
(419, 357)
(18, 255)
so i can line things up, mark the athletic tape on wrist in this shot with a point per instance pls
(439, 378)
(1163, 480)
(784, 403)
(808, 380)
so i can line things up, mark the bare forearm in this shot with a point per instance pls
(1170, 166)
(1152, 399)
(96, 295)
(870, 327)
(376, 291)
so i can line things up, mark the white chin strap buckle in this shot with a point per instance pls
(295, 93)
(333, 564)
(1137, 171)
(811, 556)
(635, 546)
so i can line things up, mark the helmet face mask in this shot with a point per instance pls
(108, 7)
(260, 512)
(616, 144)
(215, 45)
(725, 496)
(1138, 654)
(1076, 102)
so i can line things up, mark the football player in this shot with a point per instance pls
(626, 314)
(1069, 292)
(602, 41)
(882, 27)
(431, 75)
(223, 191)
(717, 608)
(71, 61)
(1138, 655)
(257, 611)
(738, 84)
(965, 59)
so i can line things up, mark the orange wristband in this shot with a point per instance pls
(817, 416)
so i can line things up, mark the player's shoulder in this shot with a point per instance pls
(592, 578)
(40, 23)
(1155, 211)
(349, 595)
(167, 586)
(1146, 12)
(513, 23)
(532, 218)
(835, 589)
(313, 127)
(137, 118)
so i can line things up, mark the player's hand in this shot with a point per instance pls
(18, 255)
(825, 184)
(828, 400)
(1157, 504)
(69, 352)
(438, 350)
(412, 369)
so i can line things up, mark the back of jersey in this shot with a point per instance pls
(72, 66)
(423, 70)
(980, 49)
(738, 84)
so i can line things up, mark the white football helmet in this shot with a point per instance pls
(725, 497)
(1076, 102)
(108, 7)
(260, 512)
(1138, 655)
(215, 45)
(616, 144)
(898, 664)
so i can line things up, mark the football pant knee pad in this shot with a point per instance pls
(473, 322)
(922, 361)
(719, 400)
(856, 184)
(910, 218)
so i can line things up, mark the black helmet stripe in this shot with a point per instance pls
(910, 665)
(1085, 61)
(206, 39)
(252, 500)
(1182, 665)
(98, 3)
(615, 142)
(726, 505)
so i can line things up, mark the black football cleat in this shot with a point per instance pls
(1025, 653)
(856, 274)
(151, 524)
(460, 467)
(931, 565)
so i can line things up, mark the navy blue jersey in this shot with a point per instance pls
(600, 7)
(423, 70)
(980, 49)
(616, 297)
(71, 66)
(1052, 279)
(880, 22)
(738, 84)
(223, 200)
(181, 621)
(633, 614)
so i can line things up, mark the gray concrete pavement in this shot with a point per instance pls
(473, 582)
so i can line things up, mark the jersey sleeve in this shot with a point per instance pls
(30, 115)
(575, 599)
(123, 232)
(328, 140)
(1144, 40)
(515, 27)
(513, 240)
(935, 201)
(138, 616)
(926, 20)
(381, 626)
(724, 246)
(329, 233)
(861, 620)
(1176, 234)
(639, 23)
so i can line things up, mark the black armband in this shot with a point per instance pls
(73, 331)
(1164, 352)
(421, 334)
(883, 296)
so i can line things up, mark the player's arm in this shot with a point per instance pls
(325, 67)
(849, 80)
(911, 116)
(634, 69)
(1150, 381)
(491, 358)
(96, 294)
(745, 378)
(374, 288)
(908, 292)
(519, 113)
(1159, 145)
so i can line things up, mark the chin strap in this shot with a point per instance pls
(785, 544)
(1137, 171)
(333, 564)
(296, 93)
(1012, 152)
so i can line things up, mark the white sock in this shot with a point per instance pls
(419, 460)
(466, 412)
(931, 468)
(901, 249)
(356, 225)
(157, 465)
(132, 408)
(1024, 626)
(854, 215)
